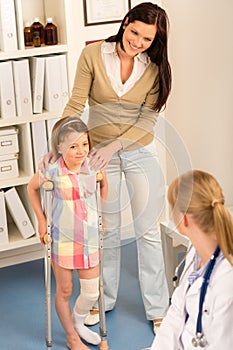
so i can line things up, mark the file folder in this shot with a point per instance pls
(37, 83)
(19, 23)
(3, 220)
(49, 127)
(22, 85)
(39, 141)
(18, 213)
(8, 33)
(7, 93)
(52, 85)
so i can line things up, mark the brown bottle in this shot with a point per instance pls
(28, 35)
(50, 33)
(36, 39)
(38, 27)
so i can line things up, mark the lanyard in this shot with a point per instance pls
(199, 339)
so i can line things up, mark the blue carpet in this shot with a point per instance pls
(22, 309)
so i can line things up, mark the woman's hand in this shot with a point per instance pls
(100, 158)
(44, 164)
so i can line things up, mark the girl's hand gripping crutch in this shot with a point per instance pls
(48, 188)
(103, 331)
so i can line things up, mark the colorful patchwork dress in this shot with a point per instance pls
(74, 216)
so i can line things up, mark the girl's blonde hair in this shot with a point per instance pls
(64, 127)
(198, 193)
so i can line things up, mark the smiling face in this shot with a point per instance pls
(74, 149)
(138, 37)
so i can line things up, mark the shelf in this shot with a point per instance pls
(29, 119)
(33, 51)
(23, 179)
(16, 240)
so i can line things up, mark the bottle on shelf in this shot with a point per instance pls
(36, 39)
(38, 27)
(28, 35)
(50, 33)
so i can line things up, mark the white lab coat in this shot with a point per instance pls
(217, 317)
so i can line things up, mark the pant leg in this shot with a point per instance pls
(112, 238)
(146, 190)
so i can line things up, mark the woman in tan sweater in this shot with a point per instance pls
(126, 80)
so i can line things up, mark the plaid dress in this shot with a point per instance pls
(74, 216)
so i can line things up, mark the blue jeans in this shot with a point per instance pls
(143, 178)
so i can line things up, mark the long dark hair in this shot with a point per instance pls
(149, 13)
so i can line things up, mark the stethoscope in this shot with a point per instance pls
(200, 339)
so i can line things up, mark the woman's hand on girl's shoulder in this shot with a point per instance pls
(47, 159)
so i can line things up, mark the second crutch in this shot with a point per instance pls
(103, 330)
(48, 190)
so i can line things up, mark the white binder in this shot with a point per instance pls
(3, 220)
(37, 83)
(64, 80)
(52, 86)
(39, 141)
(49, 126)
(7, 94)
(22, 87)
(19, 23)
(19, 213)
(8, 33)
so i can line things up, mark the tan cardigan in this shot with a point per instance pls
(128, 118)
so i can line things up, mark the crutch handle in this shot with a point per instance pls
(46, 240)
(99, 176)
(104, 345)
(48, 186)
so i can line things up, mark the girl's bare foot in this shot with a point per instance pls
(75, 343)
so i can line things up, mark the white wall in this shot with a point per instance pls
(201, 103)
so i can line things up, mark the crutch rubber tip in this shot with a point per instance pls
(104, 345)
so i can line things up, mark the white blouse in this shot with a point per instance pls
(112, 66)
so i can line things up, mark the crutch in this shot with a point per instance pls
(48, 188)
(102, 327)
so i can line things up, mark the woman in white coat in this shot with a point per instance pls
(199, 213)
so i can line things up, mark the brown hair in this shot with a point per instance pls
(149, 13)
(65, 126)
(198, 193)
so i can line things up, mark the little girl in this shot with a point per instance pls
(74, 226)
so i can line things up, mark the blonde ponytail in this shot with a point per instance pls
(198, 193)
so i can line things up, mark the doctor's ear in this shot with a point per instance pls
(126, 23)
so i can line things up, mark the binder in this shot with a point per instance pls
(8, 33)
(64, 80)
(22, 87)
(7, 94)
(49, 127)
(3, 220)
(37, 83)
(39, 141)
(19, 23)
(18, 213)
(52, 84)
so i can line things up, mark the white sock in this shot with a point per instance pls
(84, 332)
